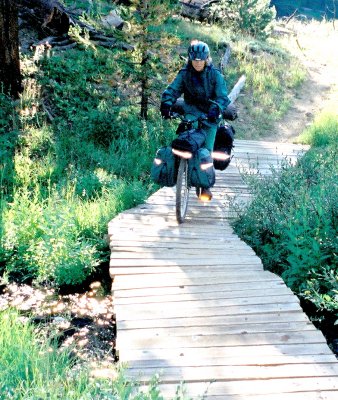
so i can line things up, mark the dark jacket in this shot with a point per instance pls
(198, 88)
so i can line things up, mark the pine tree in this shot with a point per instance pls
(150, 44)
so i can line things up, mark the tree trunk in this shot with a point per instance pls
(144, 86)
(10, 76)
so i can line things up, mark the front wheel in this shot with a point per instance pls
(182, 191)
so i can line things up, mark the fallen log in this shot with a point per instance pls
(51, 19)
(48, 16)
(236, 89)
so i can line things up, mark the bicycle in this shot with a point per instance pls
(183, 183)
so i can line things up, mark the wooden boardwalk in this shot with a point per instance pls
(193, 303)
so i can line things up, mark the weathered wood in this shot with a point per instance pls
(49, 16)
(204, 313)
(286, 351)
(236, 89)
(233, 288)
(182, 312)
(226, 373)
(184, 323)
(258, 387)
(178, 297)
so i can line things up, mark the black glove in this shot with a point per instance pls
(230, 113)
(165, 111)
(213, 114)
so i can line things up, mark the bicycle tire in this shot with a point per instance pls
(182, 191)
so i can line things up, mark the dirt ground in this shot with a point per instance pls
(319, 91)
(83, 321)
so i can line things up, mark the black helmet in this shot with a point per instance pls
(198, 50)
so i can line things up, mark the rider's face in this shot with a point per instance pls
(198, 65)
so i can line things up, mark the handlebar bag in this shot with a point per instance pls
(164, 168)
(224, 144)
(201, 169)
(190, 140)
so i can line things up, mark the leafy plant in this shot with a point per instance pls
(249, 16)
(292, 223)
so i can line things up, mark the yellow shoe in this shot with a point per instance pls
(205, 195)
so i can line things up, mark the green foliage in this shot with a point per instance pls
(292, 224)
(8, 118)
(146, 19)
(323, 132)
(60, 240)
(31, 367)
(249, 16)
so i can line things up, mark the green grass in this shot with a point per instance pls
(323, 132)
(32, 368)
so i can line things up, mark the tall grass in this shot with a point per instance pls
(29, 364)
(324, 131)
(32, 368)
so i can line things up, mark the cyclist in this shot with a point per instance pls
(204, 92)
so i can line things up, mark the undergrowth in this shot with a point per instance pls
(292, 221)
(32, 367)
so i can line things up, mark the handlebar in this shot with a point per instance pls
(201, 118)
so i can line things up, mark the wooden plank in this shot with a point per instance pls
(257, 387)
(238, 329)
(314, 395)
(253, 360)
(173, 254)
(139, 281)
(221, 340)
(214, 320)
(206, 311)
(197, 303)
(198, 270)
(231, 287)
(179, 297)
(244, 352)
(228, 373)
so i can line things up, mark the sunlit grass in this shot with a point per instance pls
(323, 132)
(32, 367)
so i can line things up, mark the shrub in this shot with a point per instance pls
(41, 241)
(292, 224)
(249, 16)
(323, 132)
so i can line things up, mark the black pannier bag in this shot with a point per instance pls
(182, 127)
(201, 169)
(223, 146)
(164, 168)
(190, 140)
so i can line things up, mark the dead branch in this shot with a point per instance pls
(225, 59)
(237, 88)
